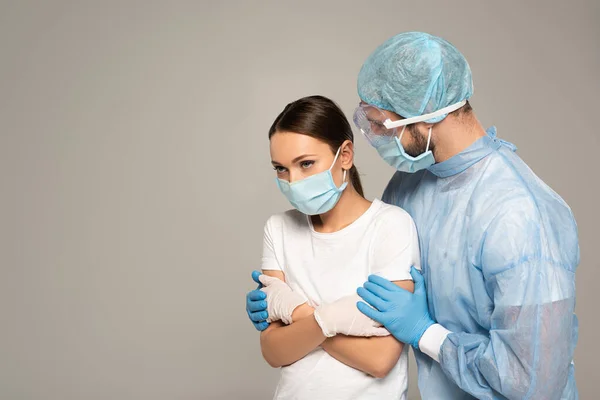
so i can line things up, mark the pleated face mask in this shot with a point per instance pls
(315, 194)
(381, 133)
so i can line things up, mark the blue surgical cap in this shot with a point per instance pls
(415, 73)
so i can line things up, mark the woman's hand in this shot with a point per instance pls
(281, 299)
(342, 317)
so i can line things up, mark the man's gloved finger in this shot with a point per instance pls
(256, 295)
(255, 275)
(261, 326)
(372, 299)
(384, 283)
(259, 316)
(370, 312)
(378, 291)
(419, 280)
(255, 306)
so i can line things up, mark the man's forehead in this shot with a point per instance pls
(373, 112)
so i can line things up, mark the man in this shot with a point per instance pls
(492, 315)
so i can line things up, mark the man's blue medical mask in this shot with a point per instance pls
(381, 133)
(316, 194)
(393, 153)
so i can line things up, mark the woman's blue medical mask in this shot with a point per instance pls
(316, 194)
(380, 131)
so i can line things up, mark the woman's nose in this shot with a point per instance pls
(292, 176)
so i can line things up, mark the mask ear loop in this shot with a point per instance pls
(334, 160)
(333, 163)
(336, 157)
(429, 139)
(402, 132)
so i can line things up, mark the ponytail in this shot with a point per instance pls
(355, 180)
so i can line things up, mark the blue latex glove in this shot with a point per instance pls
(401, 312)
(256, 305)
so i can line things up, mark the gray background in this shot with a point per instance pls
(135, 176)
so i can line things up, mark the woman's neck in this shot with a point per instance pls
(348, 209)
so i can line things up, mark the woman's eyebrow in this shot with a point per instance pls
(294, 160)
(301, 157)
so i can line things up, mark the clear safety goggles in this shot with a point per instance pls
(378, 129)
(370, 121)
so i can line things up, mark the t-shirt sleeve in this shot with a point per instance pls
(270, 261)
(395, 248)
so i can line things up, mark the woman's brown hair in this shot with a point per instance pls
(321, 118)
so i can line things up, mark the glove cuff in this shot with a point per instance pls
(432, 341)
(421, 331)
(326, 332)
(299, 300)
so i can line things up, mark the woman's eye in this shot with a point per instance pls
(306, 164)
(279, 169)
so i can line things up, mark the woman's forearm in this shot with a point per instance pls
(375, 356)
(283, 345)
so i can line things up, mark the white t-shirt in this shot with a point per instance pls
(327, 266)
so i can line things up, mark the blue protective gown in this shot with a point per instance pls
(499, 250)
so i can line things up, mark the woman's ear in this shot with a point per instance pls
(347, 154)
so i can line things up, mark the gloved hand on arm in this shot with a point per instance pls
(404, 314)
(338, 317)
(342, 317)
(280, 298)
(256, 305)
(272, 300)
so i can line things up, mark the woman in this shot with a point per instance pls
(319, 253)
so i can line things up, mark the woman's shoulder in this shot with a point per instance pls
(390, 213)
(394, 225)
(289, 218)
